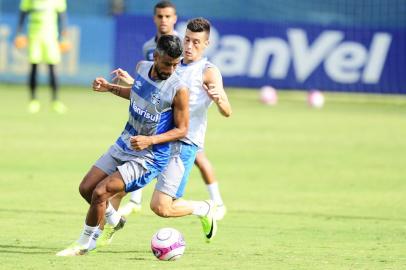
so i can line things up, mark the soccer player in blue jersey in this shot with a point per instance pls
(165, 19)
(158, 114)
(205, 86)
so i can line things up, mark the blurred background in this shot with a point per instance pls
(340, 45)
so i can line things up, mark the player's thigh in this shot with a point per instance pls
(115, 183)
(107, 188)
(93, 177)
(200, 154)
(51, 51)
(201, 158)
(35, 50)
(160, 199)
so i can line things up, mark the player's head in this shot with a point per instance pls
(167, 55)
(165, 17)
(196, 38)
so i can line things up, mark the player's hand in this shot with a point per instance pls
(121, 77)
(65, 46)
(213, 92)
(100, 84)
(140, 142)
(20, 42)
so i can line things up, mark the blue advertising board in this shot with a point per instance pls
(253, 54)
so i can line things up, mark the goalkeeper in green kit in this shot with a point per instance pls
(46, 20)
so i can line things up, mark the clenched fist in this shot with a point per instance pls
(140, 142)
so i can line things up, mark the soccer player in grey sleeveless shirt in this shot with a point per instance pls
(158, 114)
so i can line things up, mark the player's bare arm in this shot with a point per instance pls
(213, 84)
(102, 85)
(181, 119)
(122, 77)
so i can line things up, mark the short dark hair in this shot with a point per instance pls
(164, 4)
(199, 25)
(170, 45)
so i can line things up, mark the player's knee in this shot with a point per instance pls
(120, 195)
(98, 195)
(85, 191)
(160, 209)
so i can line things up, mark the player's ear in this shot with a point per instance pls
(155, 20)
(156, 55)
(207, 41)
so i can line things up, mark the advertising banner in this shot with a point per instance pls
(253, 54)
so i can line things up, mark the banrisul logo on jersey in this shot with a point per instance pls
(137, 112)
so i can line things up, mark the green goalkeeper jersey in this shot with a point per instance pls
(43, 16)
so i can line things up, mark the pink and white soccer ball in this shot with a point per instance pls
(315, 99)
(268, 95)
(168, 244)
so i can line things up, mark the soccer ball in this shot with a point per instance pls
(168, 244)
(315, 99)
(268, 95)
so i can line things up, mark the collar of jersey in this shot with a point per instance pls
(183, 64)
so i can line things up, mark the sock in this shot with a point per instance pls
(215, 193)
(33, 81)
(86, 234)
(53, 82)
(93, 239)
(136, 196)
(200, 208)
(112, 217)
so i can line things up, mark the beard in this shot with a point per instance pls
(161, 75)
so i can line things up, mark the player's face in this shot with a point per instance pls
(165, 19)
(194, 45)
(164, 66)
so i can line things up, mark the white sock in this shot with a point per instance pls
(200, 208)
(112, 217)
(86, 235)
(214, 192)
(136, 196)
(93, 239)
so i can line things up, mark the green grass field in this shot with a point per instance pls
(305, 188)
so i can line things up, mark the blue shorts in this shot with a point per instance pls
(135, 171)
(173, 179)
